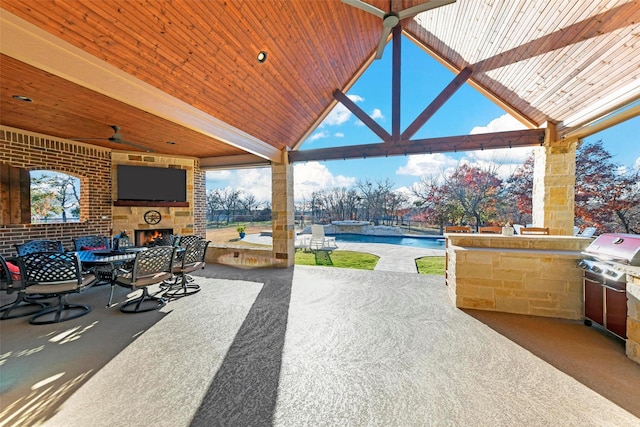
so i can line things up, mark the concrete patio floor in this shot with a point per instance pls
(314, 346)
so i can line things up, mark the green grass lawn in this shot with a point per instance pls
(431, 265)
(342, 259)
(364, 261)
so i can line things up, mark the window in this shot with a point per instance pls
(55, 197)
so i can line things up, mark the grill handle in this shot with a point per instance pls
(613, 289)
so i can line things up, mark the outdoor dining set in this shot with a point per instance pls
(43, 274)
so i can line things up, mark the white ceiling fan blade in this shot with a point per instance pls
(412, 11)
(366, 7)
(384, 38)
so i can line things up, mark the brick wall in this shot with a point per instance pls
(94, 167)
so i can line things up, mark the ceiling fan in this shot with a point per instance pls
(391, 19)
(116, 137)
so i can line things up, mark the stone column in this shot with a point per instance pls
(282, 214)
(554, 178)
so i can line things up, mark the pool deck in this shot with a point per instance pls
(395, 258)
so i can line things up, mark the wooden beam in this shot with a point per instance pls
(233, 162)
(364, 117)
(438, 102)
(484, 141)
(602, 124)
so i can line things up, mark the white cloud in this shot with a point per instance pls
(501, 124)
(250, 181)
(375, 114)
(505, 159)
(340, 114)
(636, 165)
(221, 175)
(338, 135)
(407, 193)
(308, 177)
(319, 135)
(313, 176)
(427, 164)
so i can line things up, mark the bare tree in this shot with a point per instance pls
(375, 198)
(249, 204)
(214, 203)
(55, 193)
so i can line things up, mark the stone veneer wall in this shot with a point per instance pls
(183, 220)
(554, 185)
(282, 215)
(282, 253)
(633, 318)
(92, 165)
(535, 275)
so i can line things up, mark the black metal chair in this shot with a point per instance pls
(39, 246)
(167, 240)
(184, 242)
(152, 266)
(88, 243)
(55, 274)
(188, 239)
(10, 282)
(193, 259)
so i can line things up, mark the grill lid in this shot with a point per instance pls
(617, 247)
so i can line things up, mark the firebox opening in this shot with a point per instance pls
(148, 237)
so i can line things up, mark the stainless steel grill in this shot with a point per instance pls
(605, 299)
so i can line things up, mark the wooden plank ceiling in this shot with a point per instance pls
(186, 71)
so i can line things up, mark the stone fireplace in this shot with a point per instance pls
(147, 237)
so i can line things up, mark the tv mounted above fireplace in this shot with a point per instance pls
(151, 184)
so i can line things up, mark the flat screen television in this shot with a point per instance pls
(144, 183)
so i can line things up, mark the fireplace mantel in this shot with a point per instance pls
(150, 203)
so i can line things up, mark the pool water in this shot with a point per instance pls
(416, 242)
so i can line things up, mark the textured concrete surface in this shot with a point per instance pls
(309, 346)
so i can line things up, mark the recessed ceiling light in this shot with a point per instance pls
(262, 56)
(22, 98)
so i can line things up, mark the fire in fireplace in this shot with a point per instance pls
(148, 237)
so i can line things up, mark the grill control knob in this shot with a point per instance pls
(596, 269)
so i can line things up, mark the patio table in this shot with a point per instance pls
(105, 263)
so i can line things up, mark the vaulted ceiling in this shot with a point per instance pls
(181, 77)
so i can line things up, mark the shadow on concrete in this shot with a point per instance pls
(245, 388)
(590, 355)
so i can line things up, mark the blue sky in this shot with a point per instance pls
(422, 80)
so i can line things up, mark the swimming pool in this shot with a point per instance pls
(436, 242)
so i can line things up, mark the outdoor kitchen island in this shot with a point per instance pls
(633, 311)
(533, 275)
